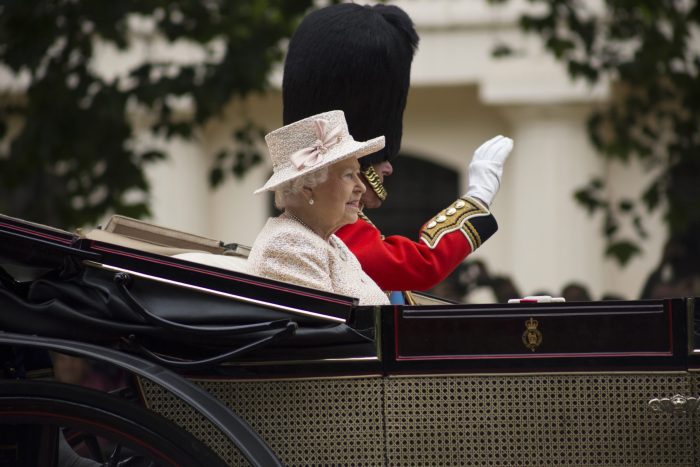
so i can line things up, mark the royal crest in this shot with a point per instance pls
(532, 337)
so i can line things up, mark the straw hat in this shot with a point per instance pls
(311, 144)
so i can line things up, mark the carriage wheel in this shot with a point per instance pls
(132, 432)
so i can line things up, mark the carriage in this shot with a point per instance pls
(225, 368)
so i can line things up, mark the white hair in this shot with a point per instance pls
(293, 187)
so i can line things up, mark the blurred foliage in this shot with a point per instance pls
(650, 51)
(69, 155)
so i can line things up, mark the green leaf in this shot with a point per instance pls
(501, 51)
(625, 205)
(216, 176)
(610, 226)
(559, 47)
(652, 196)
(587, 200)
(639, 227)
(622, 251)
(152, 156)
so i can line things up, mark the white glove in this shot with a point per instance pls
(486, 168)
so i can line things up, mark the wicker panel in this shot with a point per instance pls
(557, 420)
(536, 420)
(306, 422)
(695, 380)
(165, 403)
(313, 422)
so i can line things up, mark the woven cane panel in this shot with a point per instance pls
(695, 379)
(313, 422)
(171, 407)
(305, 422)
(559, 420)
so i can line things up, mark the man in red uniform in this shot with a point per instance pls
(358, 59)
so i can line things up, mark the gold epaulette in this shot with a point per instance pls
(458, 216)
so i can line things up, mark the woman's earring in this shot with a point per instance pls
(311, 201)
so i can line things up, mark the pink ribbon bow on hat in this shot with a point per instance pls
(308, 157)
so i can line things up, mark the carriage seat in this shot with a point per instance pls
(229, 262)
(152, 238)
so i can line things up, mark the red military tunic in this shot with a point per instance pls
(398, 263)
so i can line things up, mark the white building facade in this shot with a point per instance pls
(460, 96)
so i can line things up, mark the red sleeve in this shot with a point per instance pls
(398, 263)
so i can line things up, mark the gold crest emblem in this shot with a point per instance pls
(532, 337)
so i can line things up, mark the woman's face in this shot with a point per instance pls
(337, 200)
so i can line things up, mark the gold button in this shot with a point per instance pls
(432, 224)
(441, 218)
(460, 204)
(450, 211)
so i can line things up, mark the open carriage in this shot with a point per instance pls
(231, 369)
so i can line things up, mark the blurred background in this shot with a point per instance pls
(155, 109)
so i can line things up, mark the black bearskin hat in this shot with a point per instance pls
(354, 58)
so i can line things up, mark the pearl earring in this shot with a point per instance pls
(311, 202)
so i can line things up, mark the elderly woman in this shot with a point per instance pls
(316, 181)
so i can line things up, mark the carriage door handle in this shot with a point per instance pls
(675, 404)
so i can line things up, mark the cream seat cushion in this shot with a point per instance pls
(231, 263)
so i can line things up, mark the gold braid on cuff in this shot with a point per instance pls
(373, 180)
(458, 216)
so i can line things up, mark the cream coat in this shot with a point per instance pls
(288, 251)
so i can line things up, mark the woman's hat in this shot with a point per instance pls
(311, 144)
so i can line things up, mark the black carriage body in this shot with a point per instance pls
(597, 383)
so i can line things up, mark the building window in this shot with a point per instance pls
(418, 189)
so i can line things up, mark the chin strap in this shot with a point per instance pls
(374, 182)
(361, 215)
